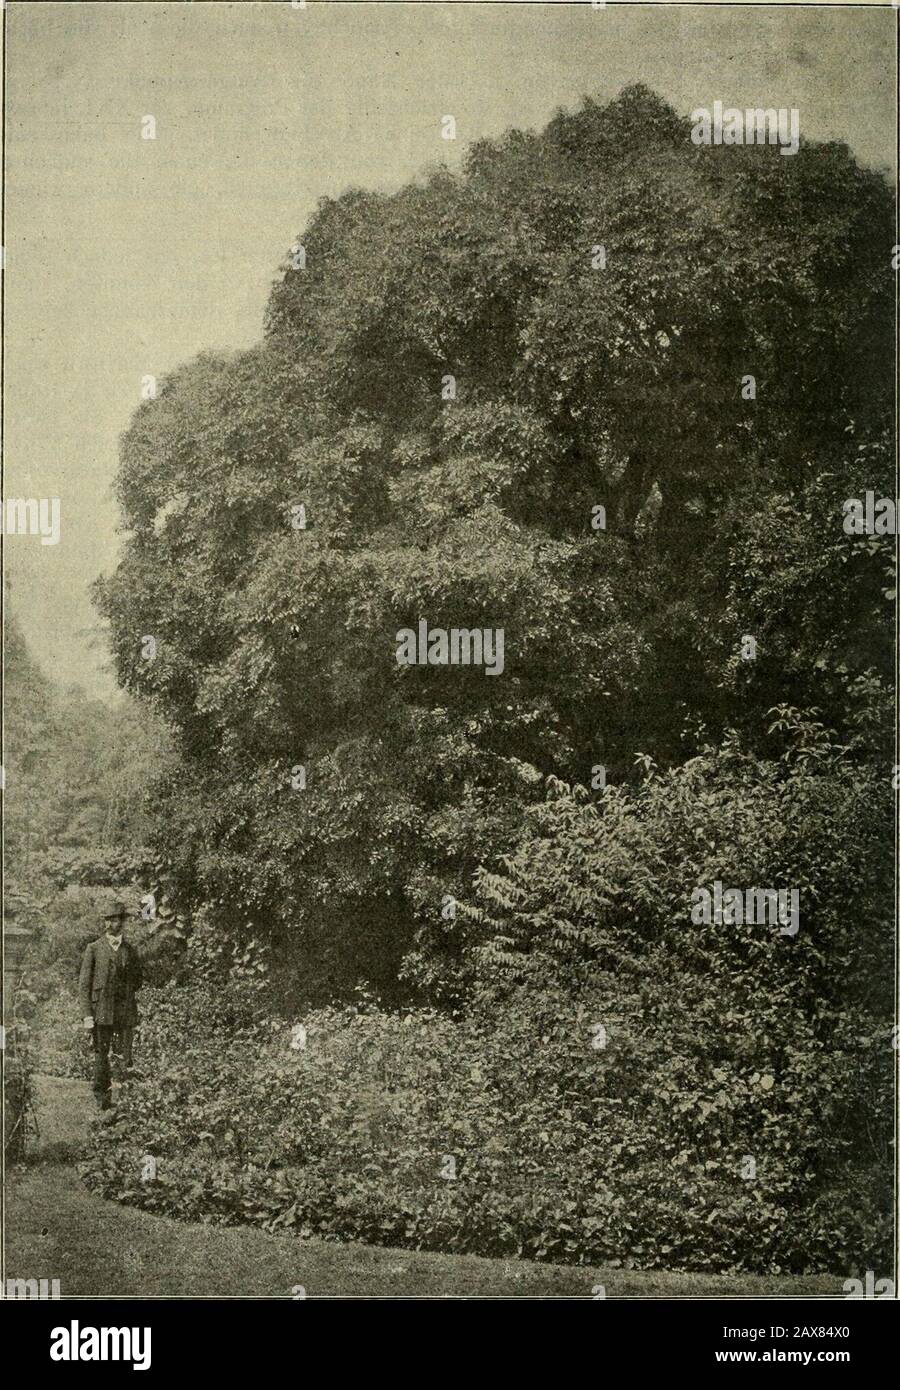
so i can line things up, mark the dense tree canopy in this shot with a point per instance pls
(452, 379)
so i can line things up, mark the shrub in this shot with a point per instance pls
(18, 1065)
(631, 1087)
(629, 1155)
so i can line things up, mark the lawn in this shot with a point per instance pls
(56, 1229)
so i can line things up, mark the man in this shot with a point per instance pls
(110, 977)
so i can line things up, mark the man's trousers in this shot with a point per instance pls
(103, 1041)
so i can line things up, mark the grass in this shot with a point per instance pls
(56, 1229)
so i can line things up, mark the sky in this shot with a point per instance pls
(127, 256)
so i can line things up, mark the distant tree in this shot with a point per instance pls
(78, 774)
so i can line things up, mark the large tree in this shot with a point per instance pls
(453, 379)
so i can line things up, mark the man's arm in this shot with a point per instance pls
(86, 980)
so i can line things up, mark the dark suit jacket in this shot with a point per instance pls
(109, 981)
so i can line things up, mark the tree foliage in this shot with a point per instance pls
(582, 380)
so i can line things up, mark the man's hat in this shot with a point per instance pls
(119, 914)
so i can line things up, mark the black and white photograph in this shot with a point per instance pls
(450, 765)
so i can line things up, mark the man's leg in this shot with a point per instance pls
(126, 1043)
(101, 1082)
